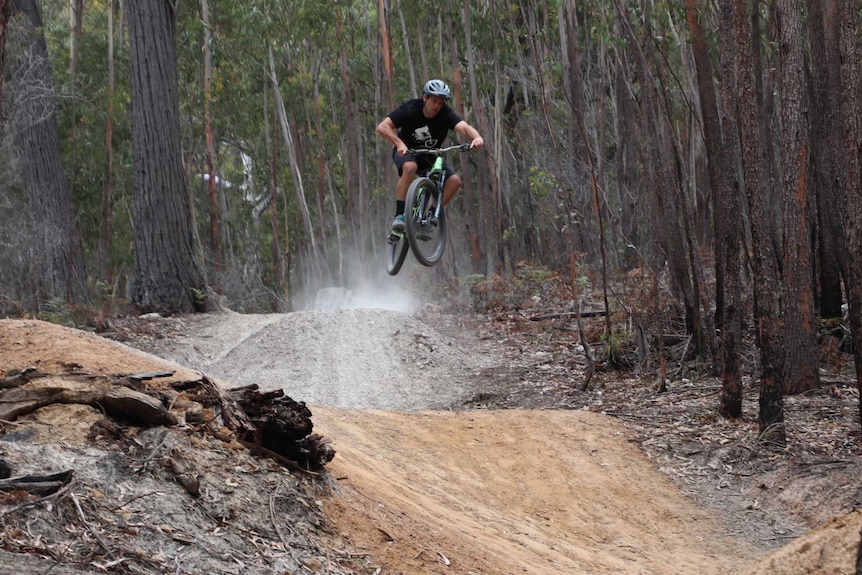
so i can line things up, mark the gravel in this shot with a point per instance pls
(348, 358)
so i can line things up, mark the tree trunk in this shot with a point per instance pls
(107, 230)
(386, 47)
(712, 136)
(168, 276)
(800, 359)
(411, 68)
(322, 167)
(351, 150)
(4, 20)
(851, 112)
(720, 170)
(827, 151)
(56, 255)
(729, 210)
(295, 171)
(669, 209)
(210, 140)
(76, 22)
(626, 161)
(282, 303)
(767, 311)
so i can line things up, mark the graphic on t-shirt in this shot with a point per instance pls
(423, 136)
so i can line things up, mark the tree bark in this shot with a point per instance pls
(851, 112)
(767, 311)
(351, 150)
(279, 265)
(800, 359)
(712, 137)
(215, 247)
(57, 269)
(386, 47)
(827, 151)
(4, 21)
(729, 209)
(107, 229)
(76, 23)
(626, 160)
(168, 277)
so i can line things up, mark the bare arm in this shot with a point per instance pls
(466, 130)
(388, 132)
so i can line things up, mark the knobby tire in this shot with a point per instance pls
(428, 252)
(396, 250)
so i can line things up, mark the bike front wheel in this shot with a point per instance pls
(396, 251)
(426, 231)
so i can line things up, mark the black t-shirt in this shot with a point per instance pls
(416, 130)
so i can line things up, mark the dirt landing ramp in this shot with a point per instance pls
(513, 492)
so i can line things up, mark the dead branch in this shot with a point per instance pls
(90, 528)
(37, 484)
(116, 401)
(567, 314)
(588, 354)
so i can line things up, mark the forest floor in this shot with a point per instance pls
(465, 443)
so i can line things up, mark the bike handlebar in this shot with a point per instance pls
(439, 151)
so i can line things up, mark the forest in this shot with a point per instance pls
(161, 156)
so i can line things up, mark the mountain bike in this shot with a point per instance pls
(424, 215)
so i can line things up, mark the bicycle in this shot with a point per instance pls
(424, 215)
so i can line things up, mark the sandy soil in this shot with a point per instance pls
(414, 490)
(513, 492)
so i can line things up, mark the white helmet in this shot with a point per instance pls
(437, 88)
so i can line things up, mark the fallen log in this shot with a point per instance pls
(268, 422)
(120, 402)
(567, 314)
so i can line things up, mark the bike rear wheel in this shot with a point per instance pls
(425, 232)
(396, 251)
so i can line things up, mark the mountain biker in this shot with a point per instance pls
(423, 123)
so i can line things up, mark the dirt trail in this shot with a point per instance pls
(512, 492)
(429, 492)
(516, 491)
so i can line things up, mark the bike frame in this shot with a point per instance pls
(436, 173)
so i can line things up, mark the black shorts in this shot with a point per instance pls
(423, 162)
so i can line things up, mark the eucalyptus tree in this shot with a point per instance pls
(107, 234)
(800, 361)
(664, 162)
(851, 114)
(767, 312)
(719, 134)
(826, 151)
(168, 275)
(55, 269)
(729, 209)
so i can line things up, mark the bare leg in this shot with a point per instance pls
(408, 172)
(450, 188)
